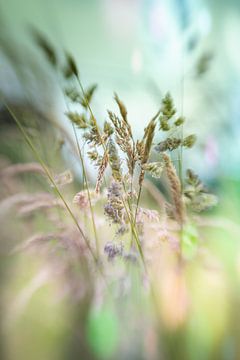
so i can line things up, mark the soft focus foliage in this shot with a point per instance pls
(119, 211)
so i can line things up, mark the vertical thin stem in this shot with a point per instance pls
(95, 123)
(181, 147)
(38, 157)
(85, 179)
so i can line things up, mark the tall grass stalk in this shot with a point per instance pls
(85, 181)
(132, 219)
(48, 174)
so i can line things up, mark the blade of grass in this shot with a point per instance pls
(46, 170)
(85, 179)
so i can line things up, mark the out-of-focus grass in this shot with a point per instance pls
(35, 328)
(42, 329)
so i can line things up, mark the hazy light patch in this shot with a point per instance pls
(204, 22)
(121, 17)
(231, 39)
(136, 61)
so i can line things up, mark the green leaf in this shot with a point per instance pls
(102, 332)
(189, 241)
(71, 67)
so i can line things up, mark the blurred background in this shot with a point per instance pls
(141, 49)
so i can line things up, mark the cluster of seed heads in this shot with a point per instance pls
(114, 144)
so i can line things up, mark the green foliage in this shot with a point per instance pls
(189, 241)
(196, 195)
(168, 144)
(79, 120)
(85, 100)
(45, 46)
(154, 168)
(189, 141)
(167, 112)
(70, 68)
(102, 332)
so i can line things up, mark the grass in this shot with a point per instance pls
(120, 257)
